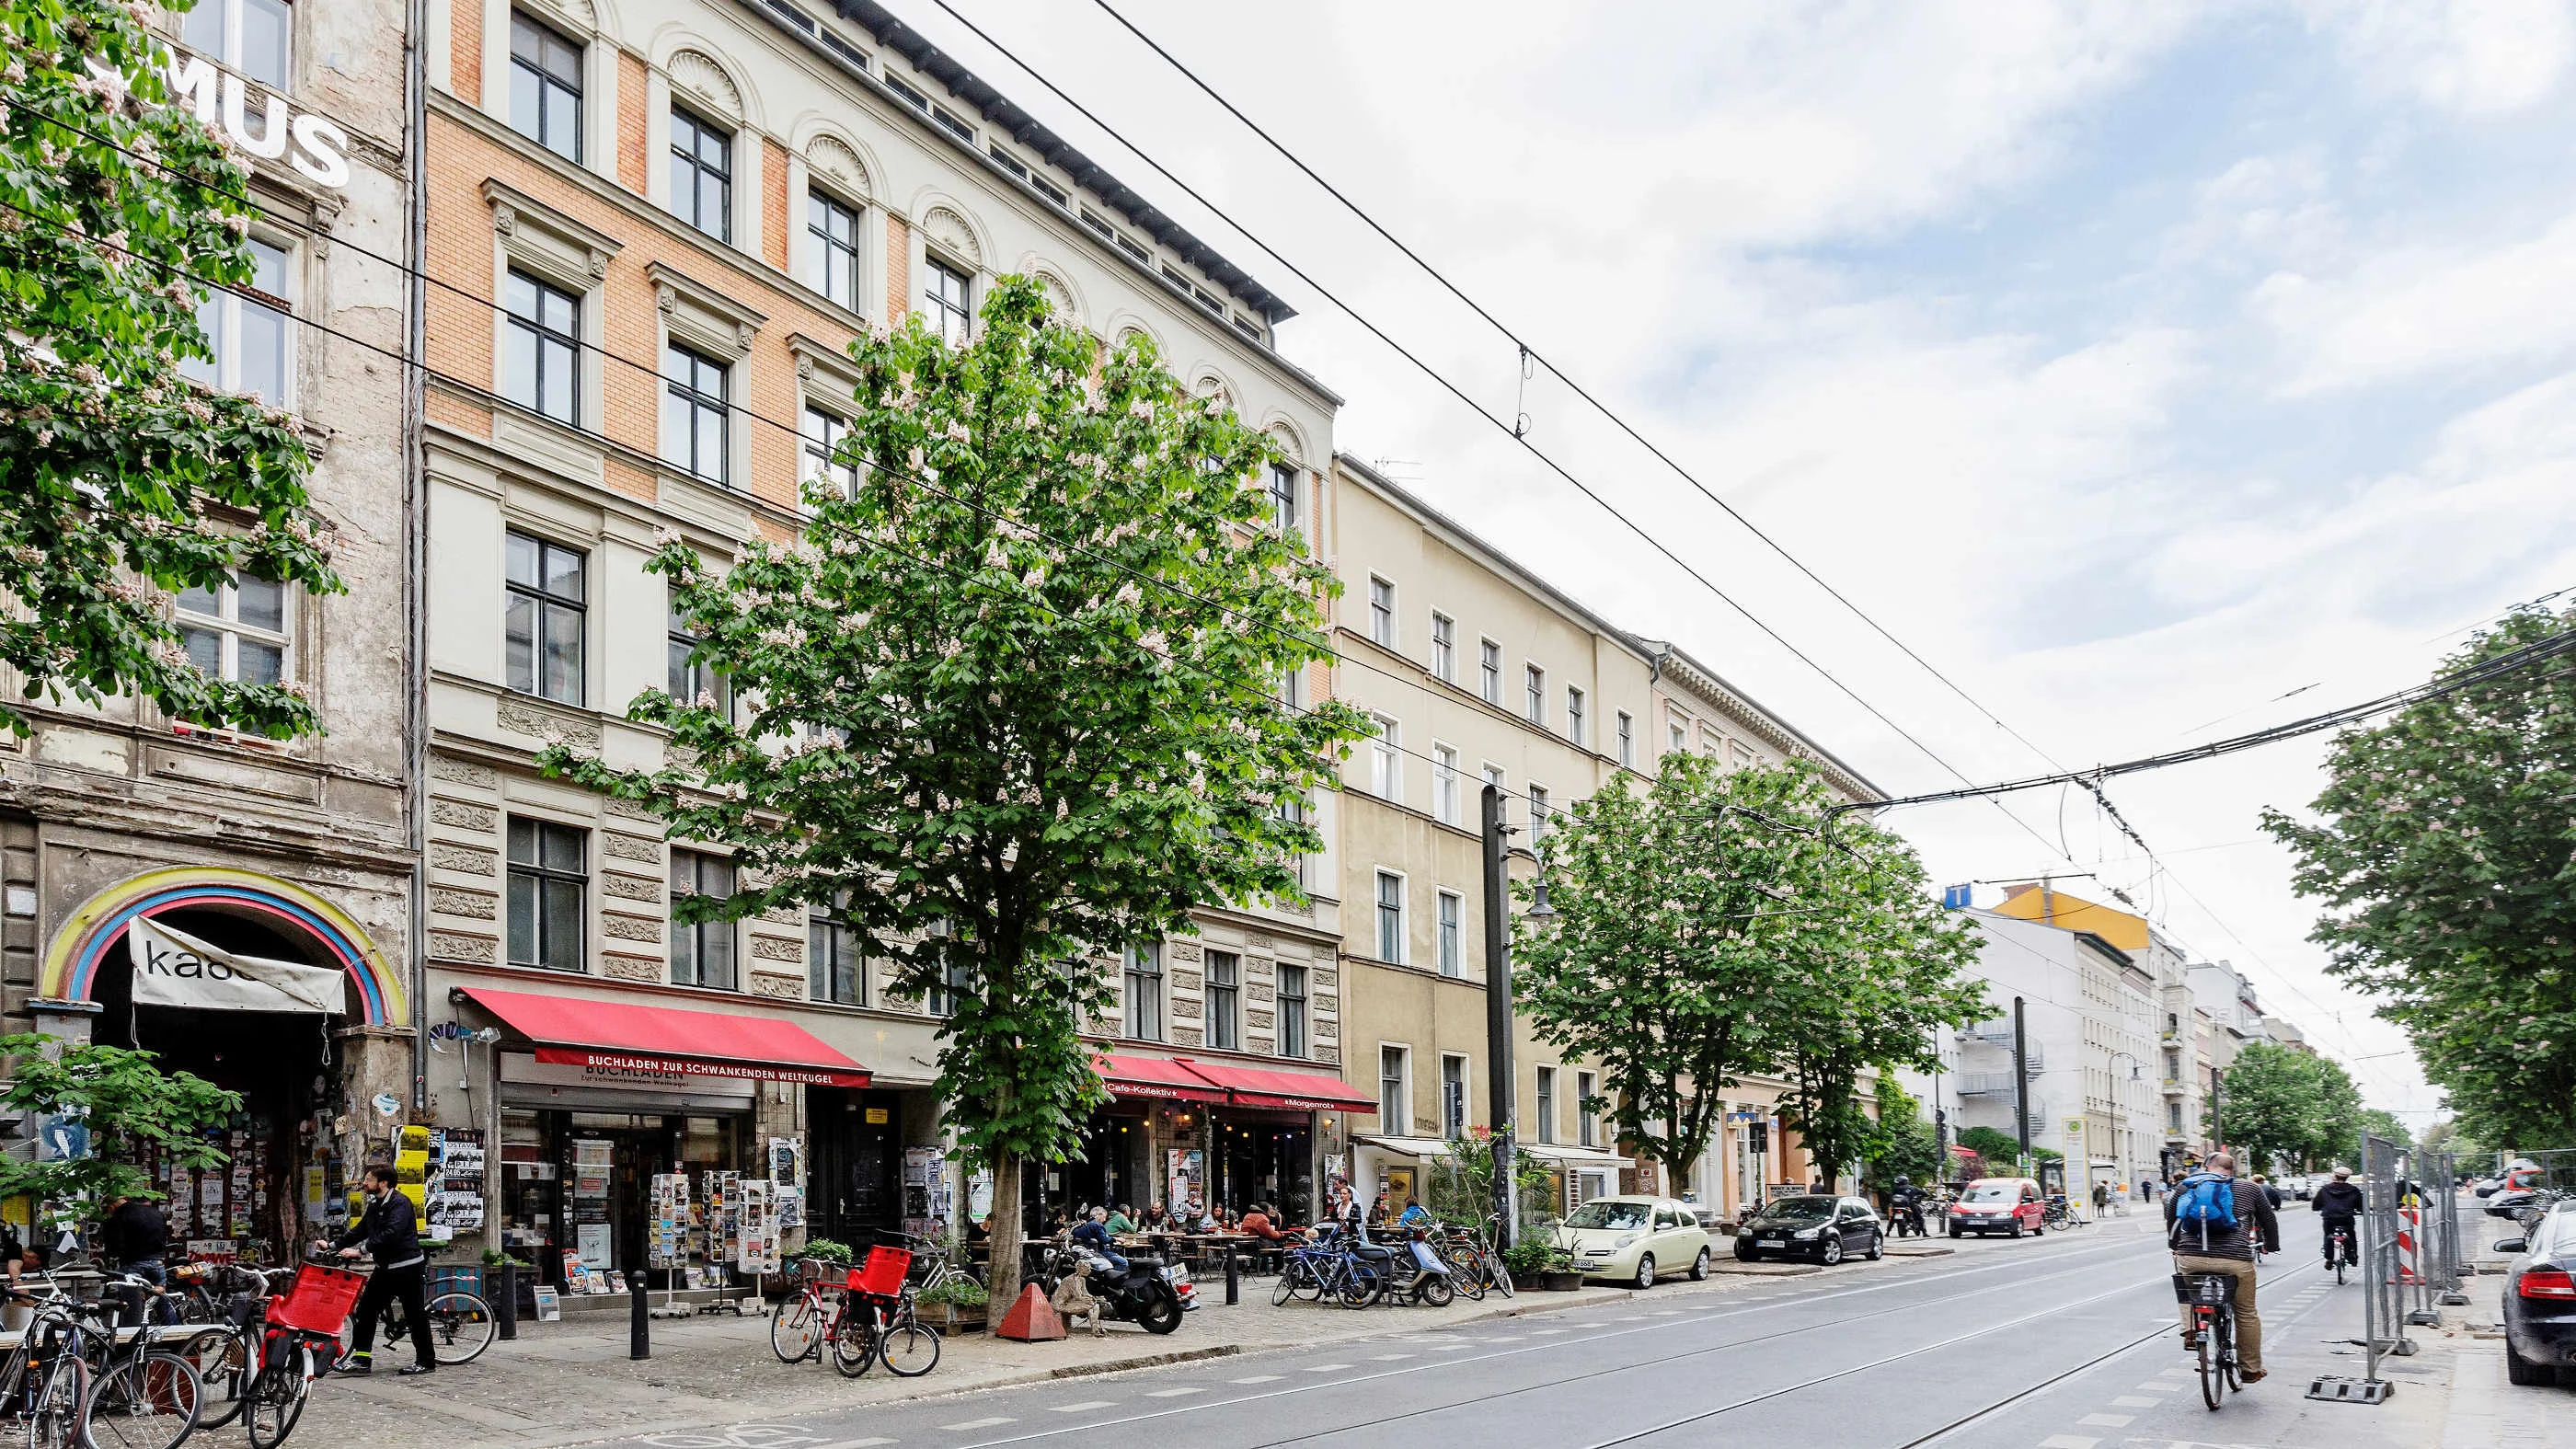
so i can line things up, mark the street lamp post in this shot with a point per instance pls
(1501, 1076)
(2120, 1111)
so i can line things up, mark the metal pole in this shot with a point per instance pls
(1500, 1077)
(505, 1303)
(2217, 1140)
(2021, 1078)
(639, 1318)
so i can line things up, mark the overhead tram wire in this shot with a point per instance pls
(1531, 353)
(1500, 423)
(487, 397)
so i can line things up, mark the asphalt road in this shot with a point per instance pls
(2063, 1342)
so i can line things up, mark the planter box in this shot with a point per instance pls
(953, 1317)
(1546, 1282)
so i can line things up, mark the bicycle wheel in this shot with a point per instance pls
(2212, 1386)
(1286, 1287)
(219, 1358)
(1498, 1275)
(909, 1349)
(460, 1327)
(2227, 1350)
(276, 1399)
(1471, 1279)
(55, 1420)
(854, 1344)
(796, 1331)
(148, 1401)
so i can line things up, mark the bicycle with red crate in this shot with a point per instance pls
(877, 1323)
(287, 1341)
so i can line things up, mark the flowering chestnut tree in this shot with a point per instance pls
(1009, 702)
(122, 481)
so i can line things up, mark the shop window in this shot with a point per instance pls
(956, 982)
(1144, 992)
(835, 966)
(824, 433)
(1223, 1004)
(1391, 1109)
(541, 347)
(946, 296)
(702, 173)
(702, 954)
(1452, 959)
(545, 86)
(1543, 1125)
(549, 886)
(694, 413)
(695, 680)
(1453, 1096)
(237, 631)
(1292, 1011)
(833, 259)
(255, 37)
(1390, 918)
(548, 602)
(1587, 1129)
(246, 331)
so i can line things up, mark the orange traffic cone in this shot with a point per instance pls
(1032, 1319)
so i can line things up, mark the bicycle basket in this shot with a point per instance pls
(320, 1300)
(883, 1274)
(2205, 1290)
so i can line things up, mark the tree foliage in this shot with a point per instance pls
(2281, 1106)
(2443, 849)
(127, 1103)
(1713, 923)
(123, 482)
(1902, 1143)
(1008, 705)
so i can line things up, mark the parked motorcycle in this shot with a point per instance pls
(1433, 1282)
(1150, 1293)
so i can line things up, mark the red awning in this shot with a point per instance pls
(1958, 1151)
(590, 1033)
(1296, 1091)
(1158, 1077)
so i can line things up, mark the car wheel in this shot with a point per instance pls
(1744, 1254)
(2016, 1229)
(1833, 1250)
(1645, 1270)
(1957, 1232)
(2037, 1229)
(1699, 1267)
(1877, 1246)
(2520, 1370)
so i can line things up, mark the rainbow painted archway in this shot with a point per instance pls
(71, 965)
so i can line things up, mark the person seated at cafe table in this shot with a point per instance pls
(1122, 1219)
(1093, 1233)
(1415, 1215)
(1257, 1223)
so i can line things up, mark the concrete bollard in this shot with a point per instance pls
(505, 1302)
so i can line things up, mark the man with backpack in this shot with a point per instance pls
(2214, 1222)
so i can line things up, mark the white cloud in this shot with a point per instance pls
(2425, 309)
(2473, 57)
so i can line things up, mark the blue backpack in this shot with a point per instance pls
(2205, 1198)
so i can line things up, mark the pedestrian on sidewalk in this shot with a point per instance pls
(390, 1231)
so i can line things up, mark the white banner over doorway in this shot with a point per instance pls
(172, 968)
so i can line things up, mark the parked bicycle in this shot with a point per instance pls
(44, 1383)
(461, 1325)
(877, 1323)
(1470, 1252)
(802, 1324)
(2212, 1300)
(142, 1395)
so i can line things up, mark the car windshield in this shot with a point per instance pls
(1991, 1192)
(1603, 1213)
(1799, 1209)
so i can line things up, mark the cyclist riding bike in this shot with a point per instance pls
(2339, 1204)
(2214, 1222)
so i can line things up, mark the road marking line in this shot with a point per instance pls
(1543, 1332)
(1450, 1347)
(1391, 1357)
(2106, 1421)
(2067, 1441)
(1085, 1408)
(979, 1423)
(1326, 1368)
(854, 1443)
(1174, 1393)
(2134, 1401)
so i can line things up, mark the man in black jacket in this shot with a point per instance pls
(2339, 1203)
(391, 1232)
(2228, 1249)
(134, 1239)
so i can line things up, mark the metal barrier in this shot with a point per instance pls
(2383, 1301)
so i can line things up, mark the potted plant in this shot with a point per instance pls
(955, 1304)
(1539, 1266)
(1560, 1275)
(830, 1258)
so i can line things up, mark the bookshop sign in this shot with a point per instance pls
(530, 1080)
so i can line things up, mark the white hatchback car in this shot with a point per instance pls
(1635, 1238)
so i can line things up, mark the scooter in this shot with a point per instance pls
(1149, 1293)
(1432, 1283)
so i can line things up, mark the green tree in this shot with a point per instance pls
(2440, 851)
(1009, 704)
(1902, 1143)
(123, 482)
(2382, 1123)
(127, 1102)
(2281, 1105)
(1998, 1148)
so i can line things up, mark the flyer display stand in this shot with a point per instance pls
(668, 1247)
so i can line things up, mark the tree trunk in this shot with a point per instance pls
(1004, 1277)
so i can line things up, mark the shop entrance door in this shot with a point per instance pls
(857, 1166)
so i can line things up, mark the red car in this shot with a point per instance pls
(2008, 1205)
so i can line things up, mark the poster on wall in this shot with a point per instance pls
(1186, 1177)
(591, 1242)
(979, 1195)
(787, 1161)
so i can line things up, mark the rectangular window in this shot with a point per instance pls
(1292, 808)
(1452, 957)
(236, 632)
(1007, 161)
(1534, 694)
(1679, 739)
(832, 258)
(693, 678)
(1382, 613)
(1144, 993)
(1494, 777)
(1393, 1114)
(1574, 714)
(1100, 224)
(1627, 740)
(1489, 659)
(255, 37)
(695, 419)
(1224, 1005)
(956, 980)
(545, 86)
(835, 967)
(953, 123)
(541, 347)
(910, 96)
(823, 433)
(2173, 1116)
(1444, 648)
(945, 295)
(1292, 1011)
(1136, 249)
(246, 331)
(549, 885)
(701, 955)
(545, 615)
(1541, 821)
(1543, 1125)
(1444, 784)
(1453, 1096)
(1586, 1127)
(702, 174)
(1386, 761)
(1284, 513)
(1390, 918)
(845, 50)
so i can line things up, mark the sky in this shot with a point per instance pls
(2155, 372)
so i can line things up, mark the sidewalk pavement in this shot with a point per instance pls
(572, 1381)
